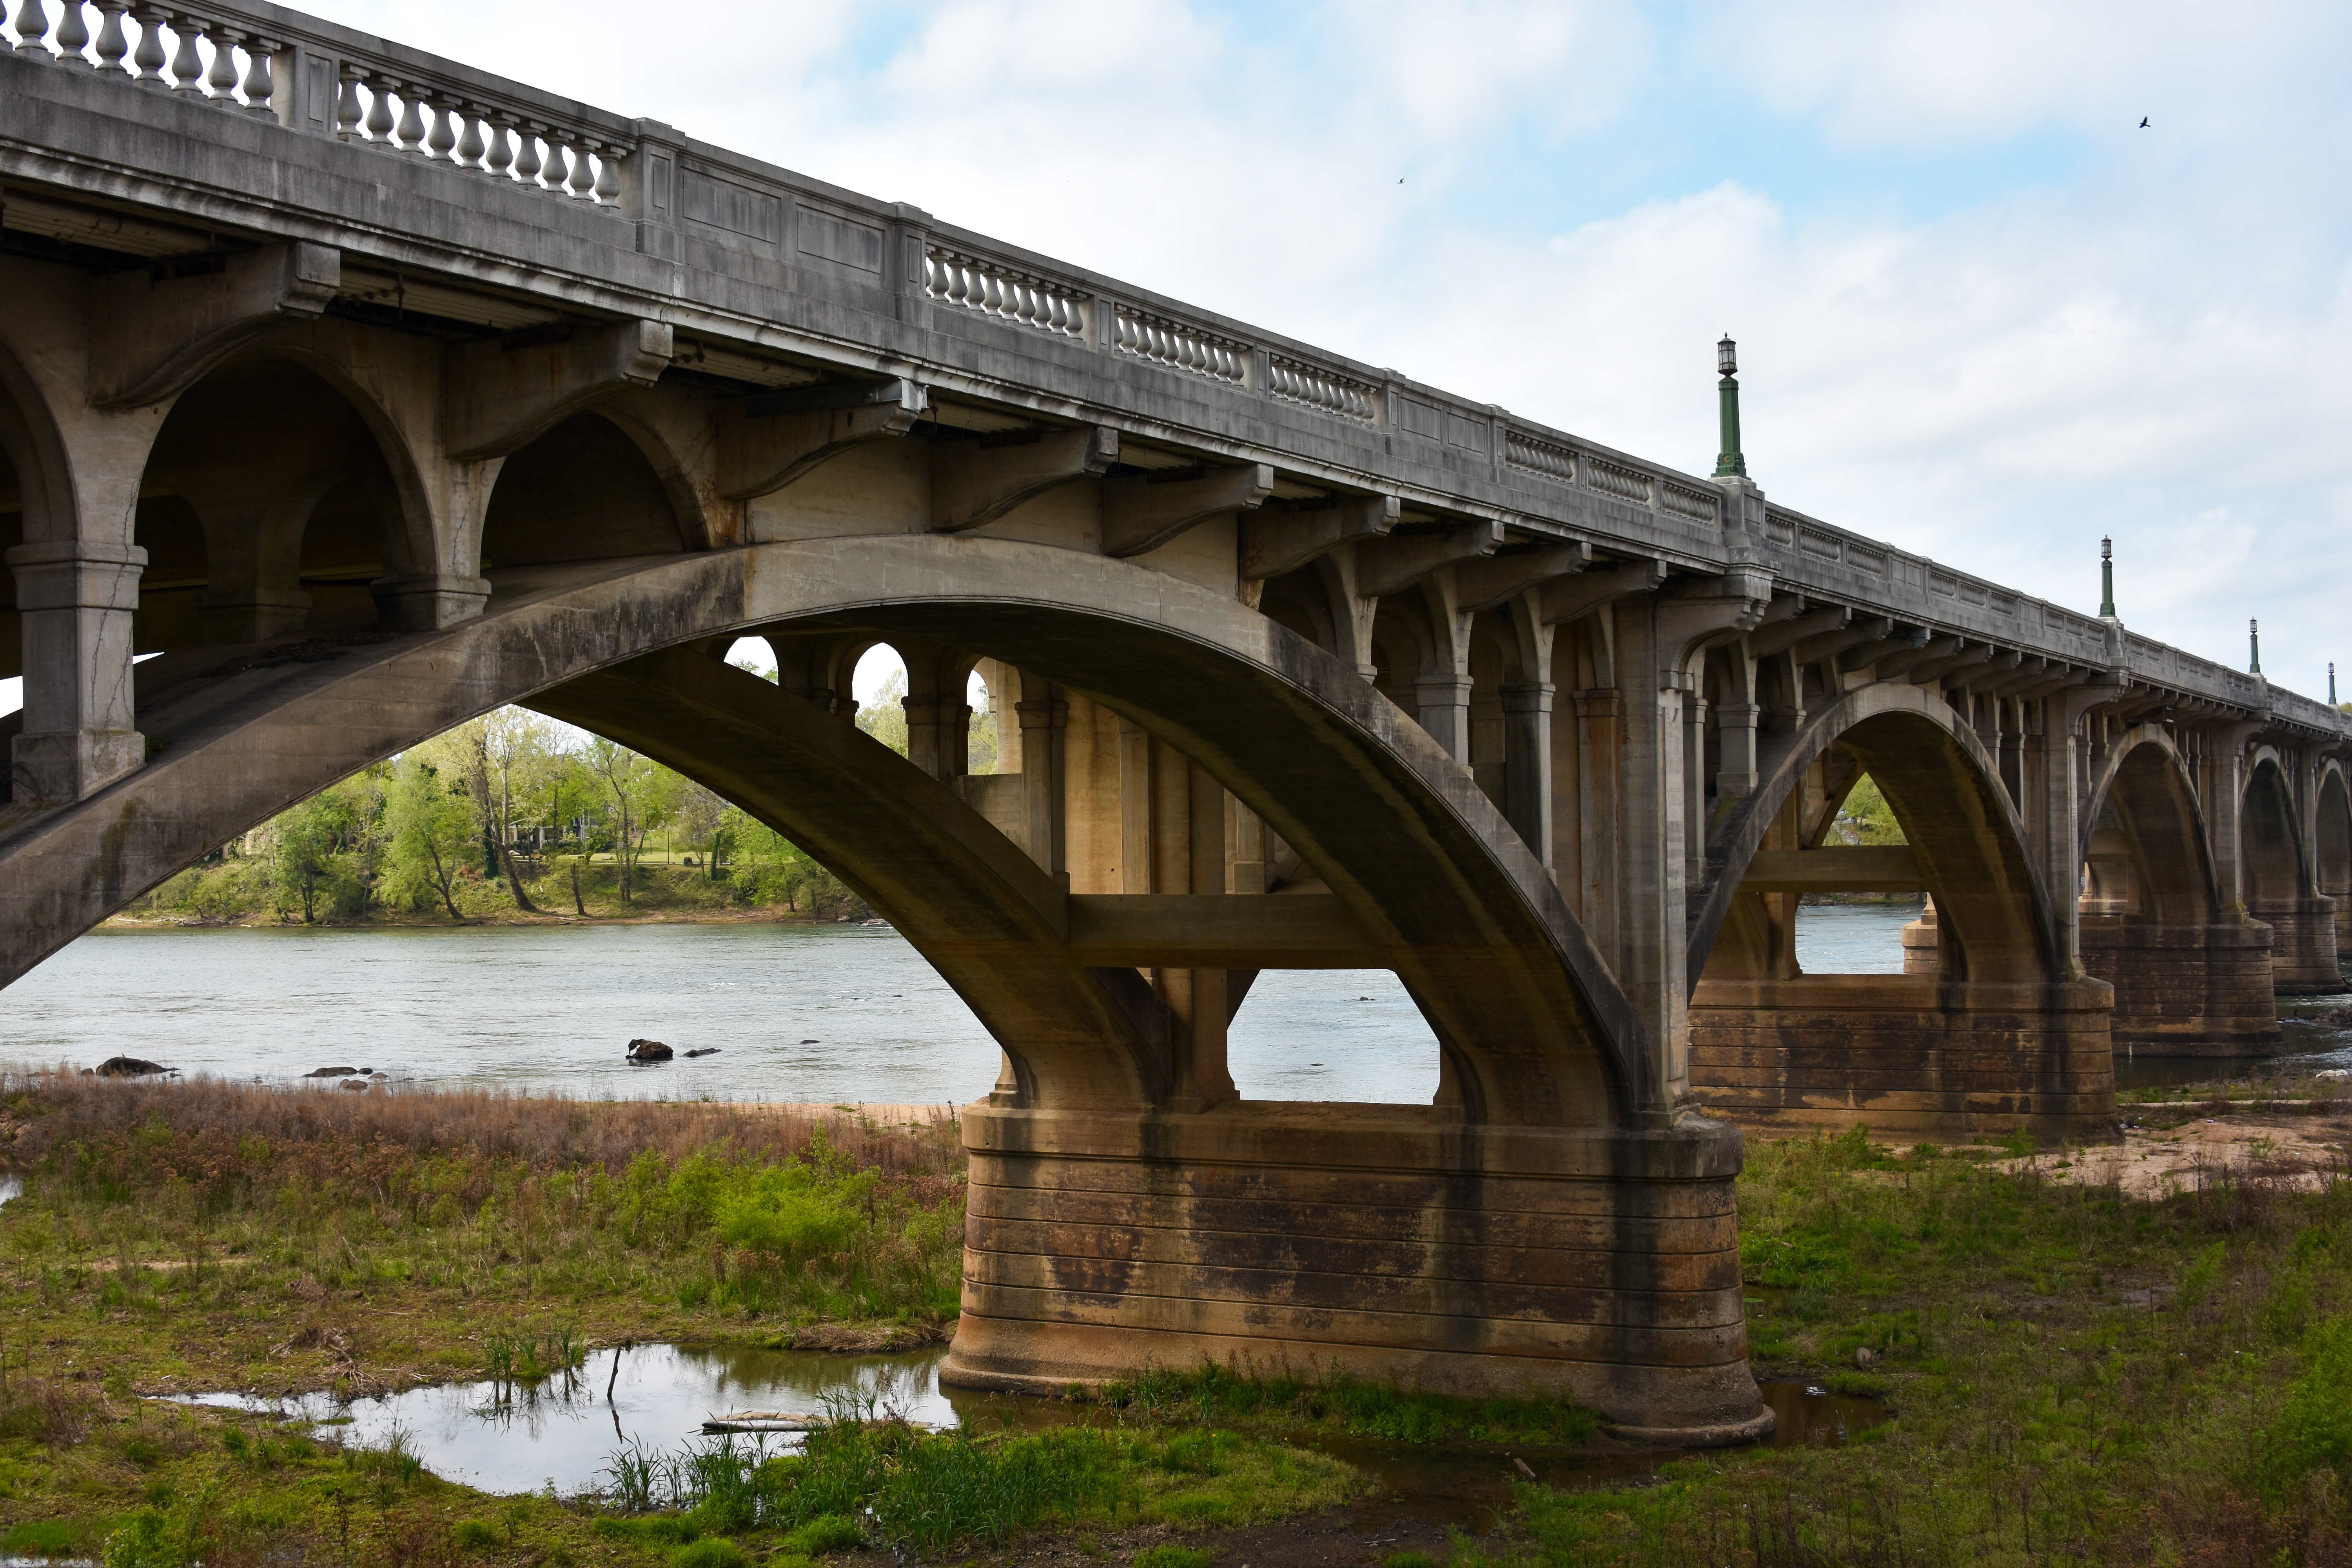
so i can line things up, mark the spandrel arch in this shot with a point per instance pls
(1532, 1024)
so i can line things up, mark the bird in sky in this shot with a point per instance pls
(2143, 122)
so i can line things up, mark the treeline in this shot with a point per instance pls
(512, 813)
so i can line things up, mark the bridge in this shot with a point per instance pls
(368, 392)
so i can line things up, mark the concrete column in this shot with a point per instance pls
(1735, 726)
(1693, 834)
(1043, 716)
(1137, 847)
(1526, 762)
(2223, 797)
(1443, 706)
(75, 600)
(1646, 861)
(1600, 713)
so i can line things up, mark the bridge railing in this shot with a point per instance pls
(266, 61)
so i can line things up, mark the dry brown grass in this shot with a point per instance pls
(208, 1132)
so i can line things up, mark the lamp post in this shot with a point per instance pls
(2107, 579)
(1729, 463)
(2254, 645)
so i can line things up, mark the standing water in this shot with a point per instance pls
(826, 1014)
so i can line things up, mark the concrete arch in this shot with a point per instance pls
(584, 490)
(1537, 1029)
(2149, 784)
(2277, 883)
(1946, 791)
(36, 450)
(2331, 842)
(2192, 975)
(409, 498)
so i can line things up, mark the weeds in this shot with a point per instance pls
(1332, 1397)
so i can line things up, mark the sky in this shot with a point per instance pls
(1982, 313)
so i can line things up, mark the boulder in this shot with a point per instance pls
(649, 1051)
(353, 1083)
(127, 1067)
(704, 1051)
(331, 1072)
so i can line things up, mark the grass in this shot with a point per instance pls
(1332, 1400)
(2077, 1378)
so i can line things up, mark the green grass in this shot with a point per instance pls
(1284, 1401)
(2077, 1378)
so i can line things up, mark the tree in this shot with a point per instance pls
(431, 830)
(632, 785)
(1866, 818)
(303, 843)
(885, 718)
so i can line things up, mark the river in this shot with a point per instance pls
(829, 1013)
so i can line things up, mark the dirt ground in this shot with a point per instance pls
(2156, 1162)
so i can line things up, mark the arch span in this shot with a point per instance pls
(1527, 1014)
(2332, 847)
(2279, 887)
(2192, 975)
(2003, 1034)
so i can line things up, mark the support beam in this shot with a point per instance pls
(1212, 930)
(1498, 579)
(1871, 868)
(1140, 513)
(500, 396)
(1573, 598)
(154, 330)
(1275, 541)
(1385, 566)
(768, 445)
(975, 482)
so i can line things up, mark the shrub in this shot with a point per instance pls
(1174, 1557)
(827, 1533)
(711, 1553)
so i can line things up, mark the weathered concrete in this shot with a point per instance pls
(1295, 662)
(1589, 1264)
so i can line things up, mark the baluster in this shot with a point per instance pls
(349, 110)
(150, 58)
(32, 25)
(260, 86)
(584, 178)
(111, 44)
(379, 116)
(608, 173)
(527, 164)
(1058, 314)
(443, 137)
(470, 146)
(557, 170)
(410, 137)
(73, 35)
(187, 64)
(994, 303)
(221, 77)
(958, 282)
(500, 157)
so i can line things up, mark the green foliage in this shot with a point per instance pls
(45, 1538)
(1866, 817)
(473, 1535)
(827, 1533)
(1213, 1393)
(1173, 1556)
(2313, 1430)
(711, 1554)
(885, 718)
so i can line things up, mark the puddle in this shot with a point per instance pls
(497, 1439)
(661, 1394)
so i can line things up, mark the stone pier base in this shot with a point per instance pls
(2186, 991)
(2303, 947)
(1384, 1241)
(1907, 1055)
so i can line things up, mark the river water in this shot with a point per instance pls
(824, 1012)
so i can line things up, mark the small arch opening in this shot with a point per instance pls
(581, 493)
(1352, 1035)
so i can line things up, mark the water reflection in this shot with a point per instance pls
(490, 1438)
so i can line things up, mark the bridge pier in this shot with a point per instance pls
(1386, 1242)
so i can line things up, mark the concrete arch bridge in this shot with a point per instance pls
(371, 391)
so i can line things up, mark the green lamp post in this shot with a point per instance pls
(2254, 645)
(1729, 463)
(2107, 579)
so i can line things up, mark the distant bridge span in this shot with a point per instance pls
(372, 392)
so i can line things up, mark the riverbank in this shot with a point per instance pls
(2076, 1371)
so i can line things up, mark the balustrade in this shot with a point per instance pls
(203, 59)
(991, 289)
(1163, 342)
(1538, 456)
(1298, 382)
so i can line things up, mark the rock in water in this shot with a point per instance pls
(353, 1083)
(331, 1072)
(704, 1051)
(127, 1067)
(649, 1051)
